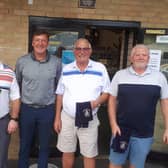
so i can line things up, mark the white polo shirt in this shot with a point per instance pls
(77, 86)
(9, 89)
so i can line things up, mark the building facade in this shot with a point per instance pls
(113, 26)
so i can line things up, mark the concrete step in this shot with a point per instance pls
(101, 162)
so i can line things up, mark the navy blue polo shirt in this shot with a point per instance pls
(137, 97)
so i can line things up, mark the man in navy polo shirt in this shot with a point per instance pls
(134, 94)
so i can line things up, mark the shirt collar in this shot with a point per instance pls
(147, 71)
(46, 60)
(88, 66)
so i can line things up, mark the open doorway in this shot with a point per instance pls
(106, 45)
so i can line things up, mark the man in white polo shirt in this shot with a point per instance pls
(9, 92)
(134, 94)
(82, 88)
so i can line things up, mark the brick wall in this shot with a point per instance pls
(14, 22)
(14, 18)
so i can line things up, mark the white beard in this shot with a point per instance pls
(140, 65)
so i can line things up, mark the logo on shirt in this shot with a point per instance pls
(123, 144)
(87, 112)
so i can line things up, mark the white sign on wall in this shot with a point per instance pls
(155, 58)
(162, 39)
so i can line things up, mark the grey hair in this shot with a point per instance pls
(139, 46)
(82, 39)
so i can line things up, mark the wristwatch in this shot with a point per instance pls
(13, 118)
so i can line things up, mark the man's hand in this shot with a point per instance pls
(115, 130)
(57, 125)
(165, 136)
(94, 104)
(12, 126)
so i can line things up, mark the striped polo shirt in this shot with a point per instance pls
(9, 89)
(137, 97)
(77, 86)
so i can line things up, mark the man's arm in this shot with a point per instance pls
(164, 109)
(57, 121)
(59, 70)
(13, 123)
(100, 100)
(18, 71)
(112, 102)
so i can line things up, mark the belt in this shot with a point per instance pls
(37, 105)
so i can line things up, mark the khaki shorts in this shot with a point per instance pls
(88, 137)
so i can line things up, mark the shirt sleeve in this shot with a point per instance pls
(59, 70)
(60, 86)
(106, 81)
(114, 85)
(164, 87)
(18, 71)
(14, 90)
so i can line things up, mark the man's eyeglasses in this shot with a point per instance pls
(82, 49)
